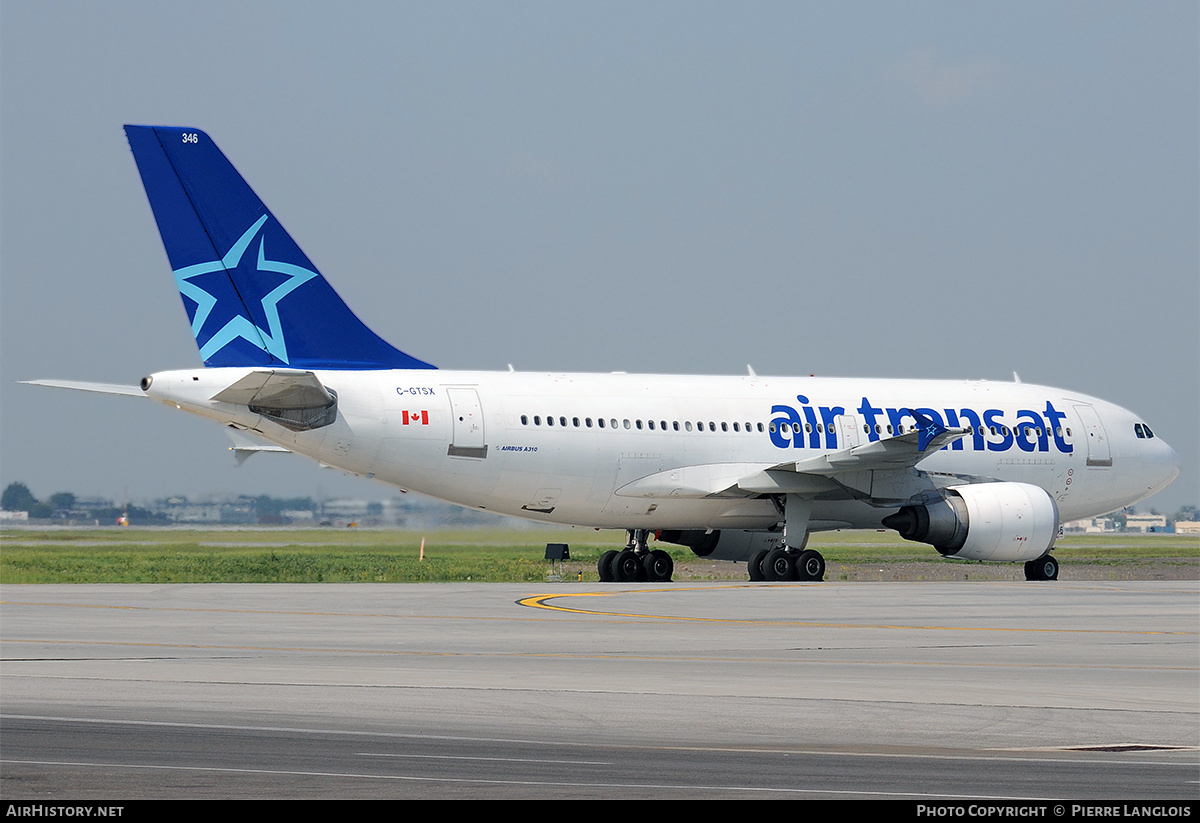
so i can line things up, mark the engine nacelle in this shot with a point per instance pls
(734, 544)
(983, 521)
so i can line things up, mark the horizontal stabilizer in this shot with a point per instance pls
(243, 447)
(294, 399)
(78, 385)
(278, 389)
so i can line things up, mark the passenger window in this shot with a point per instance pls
(524, 420)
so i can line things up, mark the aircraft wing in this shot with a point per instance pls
(78, 385)
(900, 452)
(884, 470)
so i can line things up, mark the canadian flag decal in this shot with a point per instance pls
(419, 418)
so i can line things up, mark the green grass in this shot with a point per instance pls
(136, 555)
(153, 555)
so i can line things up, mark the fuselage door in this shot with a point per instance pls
(467, 435)
(1098, 451)
(847, 431)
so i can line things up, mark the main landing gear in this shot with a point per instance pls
(787, 564)
(636, 563)
(792, 561)
(1044, 568)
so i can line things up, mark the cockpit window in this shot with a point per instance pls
(1137, 429)
(1146, 429)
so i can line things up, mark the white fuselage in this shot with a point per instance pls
(667, 451)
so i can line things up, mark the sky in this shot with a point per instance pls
(918, 189)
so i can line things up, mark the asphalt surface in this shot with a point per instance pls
(923, 691)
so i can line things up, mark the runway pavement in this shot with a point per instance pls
(937, 691)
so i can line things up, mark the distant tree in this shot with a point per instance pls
(62, 501)
(17, 498)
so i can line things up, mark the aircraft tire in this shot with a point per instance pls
(1044, 568)
(604, 566)
(627, 567)
(810, 566)
(658, 566)
(778, 565)
(755, 565)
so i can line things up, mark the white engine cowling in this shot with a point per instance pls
(983, 521)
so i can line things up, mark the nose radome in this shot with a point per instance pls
(1169, 464)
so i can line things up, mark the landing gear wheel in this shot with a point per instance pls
(658, 566)
(1044, 568)
(604, 566)
(755, 565)
(627, 567)
(779, 565)
(810, 566)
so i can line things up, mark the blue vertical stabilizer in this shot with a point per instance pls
(253, 297)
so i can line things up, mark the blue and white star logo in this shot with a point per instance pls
(270, 340)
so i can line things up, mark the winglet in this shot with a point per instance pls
(252, 296)
(927, 428)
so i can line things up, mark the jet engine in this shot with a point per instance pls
(983, 521)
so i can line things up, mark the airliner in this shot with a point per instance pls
(739, 468)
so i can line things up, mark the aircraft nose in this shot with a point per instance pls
(1167, 464)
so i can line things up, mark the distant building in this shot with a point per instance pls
(1145, 523)
(1187, 527)
(1092, 525)
(235, 510)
